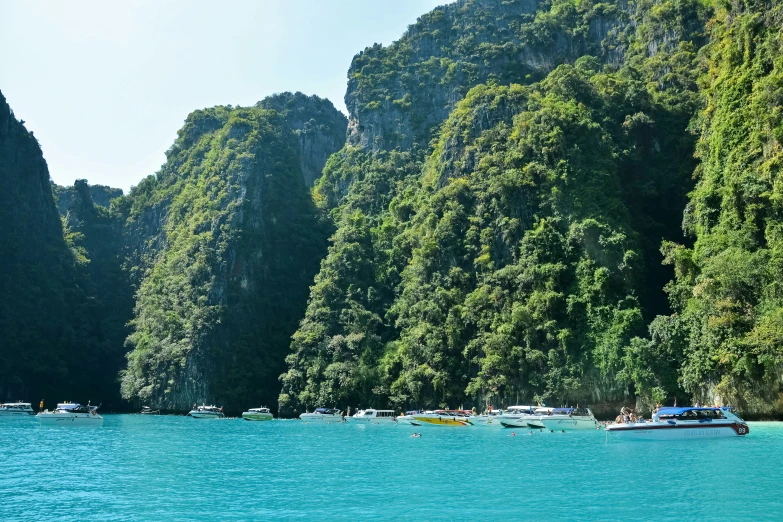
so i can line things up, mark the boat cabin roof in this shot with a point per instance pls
(326, 410)
(263, 409)
(679, 410)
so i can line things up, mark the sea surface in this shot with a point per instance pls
(170, 468)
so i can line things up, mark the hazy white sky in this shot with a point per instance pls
(106, 85)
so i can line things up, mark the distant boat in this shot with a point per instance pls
(146, 410)
(674, 423)
(373, 416)
(206, 412)
(16, 409)
(323, 415)
(71, 414)
(258, 414)
(442, 418)
(569, 419)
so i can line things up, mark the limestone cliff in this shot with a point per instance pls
(223, 243)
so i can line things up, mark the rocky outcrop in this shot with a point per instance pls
(101, 195)
(319, 127)
(224, 242)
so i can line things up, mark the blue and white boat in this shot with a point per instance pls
(690, 422)
(16, 409)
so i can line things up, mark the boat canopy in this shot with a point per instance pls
(564, 411)
(679, 410)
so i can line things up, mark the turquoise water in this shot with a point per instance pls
(177, 468)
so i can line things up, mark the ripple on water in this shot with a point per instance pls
(177, 468)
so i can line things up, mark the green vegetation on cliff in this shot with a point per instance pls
(61, 295)
(224, 242)
(727, 332)
(521, 255)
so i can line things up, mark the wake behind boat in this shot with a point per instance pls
(672, 423)
(71, 414)
(16, 409)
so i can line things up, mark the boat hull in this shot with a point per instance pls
(205, 415)
(371, 420)
(442, 421)
(408, 419)
(70, 419)
(523, 421)
(569, 423)
(665, 431)
(17, 415)
(321, 418)
(257, 416)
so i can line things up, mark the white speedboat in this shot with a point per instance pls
(569, 419)
(373, 416)
(683, 423)
(442, 418)
(525, 419)
(409, 418)
(489, 418)
(146, 410)
(323, 415)
(206, 412)
(70, 414)
(16, 409)
(257, 414)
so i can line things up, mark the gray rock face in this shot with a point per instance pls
(398, 94)
(223, 244)
(319, 127)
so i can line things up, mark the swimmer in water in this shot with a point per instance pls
(531, 432)
(562, 431)
(513, 434)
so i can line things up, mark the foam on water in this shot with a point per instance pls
(177, 468)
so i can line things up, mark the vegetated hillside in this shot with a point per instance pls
(726, 335)
(223, 243)
(54, 341)
(101, 195)
(517, 256)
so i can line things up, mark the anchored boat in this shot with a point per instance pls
(206, 412)
(373, 416)
(671, 423)
(146, 410)
(258, 414)
(323, 415)
(442, 418)
(524, 418)
(16, 409)
(569, 419)
(71, 414)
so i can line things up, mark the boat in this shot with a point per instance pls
(690, 422)
(409, 418)
(71, 414)
(257, 414)
(442, 418)
(373, 416)
(16, 409)
(530, 418)
(146, 410)
(206, 412)
(511, 416)
(488, 418)
(569, 419)
(323, 415)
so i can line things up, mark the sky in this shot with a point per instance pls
(105, 86)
